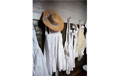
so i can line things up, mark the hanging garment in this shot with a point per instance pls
(84, 29)
(54, 52)
(75, 31)
(68, 48)
(75, 40)
(80, 43)
(39, 64)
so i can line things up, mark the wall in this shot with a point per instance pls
(76, 9)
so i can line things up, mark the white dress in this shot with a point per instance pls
(39, 65)
(54, 52)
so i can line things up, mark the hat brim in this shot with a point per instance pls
(58, 27)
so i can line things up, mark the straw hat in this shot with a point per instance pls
(52, 20)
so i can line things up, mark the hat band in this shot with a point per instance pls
(53, 23)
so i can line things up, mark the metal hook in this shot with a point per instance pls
(69, 18)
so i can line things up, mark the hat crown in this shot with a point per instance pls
(54, 19)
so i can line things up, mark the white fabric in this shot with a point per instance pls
(68, 47)
(54, 52)
(57, 73)
(75, 31)
(82, 28)
(85, 43)
(39, 65)
(75, 42)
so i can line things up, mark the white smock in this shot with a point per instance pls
(39, 65)
(68, 48)
(54, 52)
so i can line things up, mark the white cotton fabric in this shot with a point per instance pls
(39, 65)
(68, 48)
(75, 31)
(75, 42)
(54, 52)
